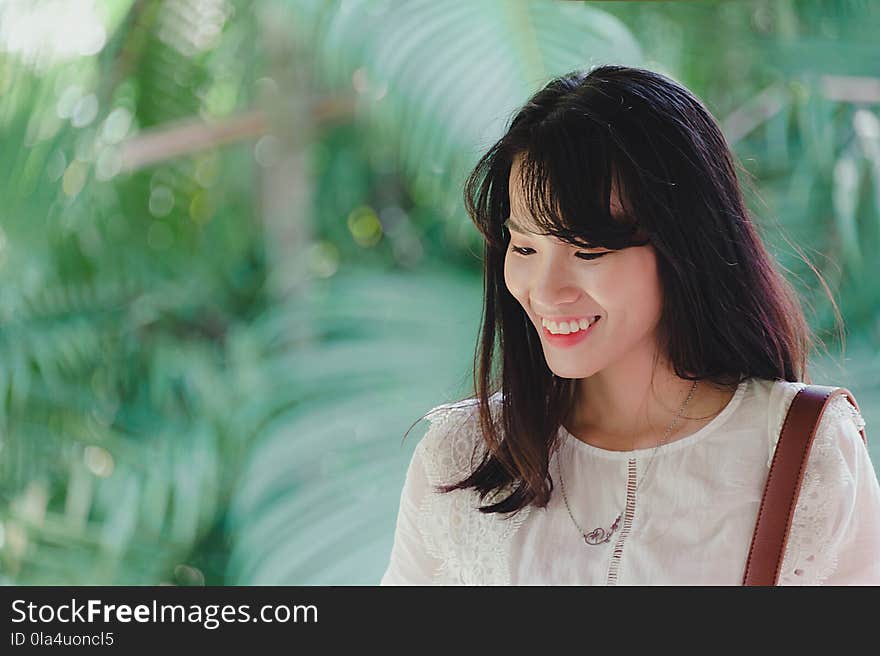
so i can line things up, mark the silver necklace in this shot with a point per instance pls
(600, 535)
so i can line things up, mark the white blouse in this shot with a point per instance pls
(689, 522)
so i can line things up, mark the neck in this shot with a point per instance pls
(621, 408)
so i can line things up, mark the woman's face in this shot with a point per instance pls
(551, 279)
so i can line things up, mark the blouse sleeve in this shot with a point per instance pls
(835, 535)
(410, 562)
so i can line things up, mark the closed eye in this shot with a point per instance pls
(584, 256)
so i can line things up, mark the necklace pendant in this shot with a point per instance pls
(600, 535)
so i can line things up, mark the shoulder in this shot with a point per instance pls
(841, 421)
(453, 444)
(472, 547)
(841, 417)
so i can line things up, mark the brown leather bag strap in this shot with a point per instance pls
(784, 481)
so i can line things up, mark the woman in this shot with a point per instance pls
(649, 350)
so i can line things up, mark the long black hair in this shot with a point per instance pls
(661, 148)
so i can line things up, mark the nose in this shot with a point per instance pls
(553, 289)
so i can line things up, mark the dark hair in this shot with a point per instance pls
(675, 173)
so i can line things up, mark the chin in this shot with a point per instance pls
(572, 372)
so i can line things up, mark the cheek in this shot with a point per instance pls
(516, 279)
(639, 288)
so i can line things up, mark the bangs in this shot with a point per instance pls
(566, 182)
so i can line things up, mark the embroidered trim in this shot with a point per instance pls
(628, 514)
(811, 551)
(472, 547)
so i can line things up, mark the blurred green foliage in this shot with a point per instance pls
(211, 338)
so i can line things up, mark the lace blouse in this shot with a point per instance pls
(690, 521)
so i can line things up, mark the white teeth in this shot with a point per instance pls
(568, 327)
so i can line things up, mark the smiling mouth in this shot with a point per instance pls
(570, 339)
(569, 327)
